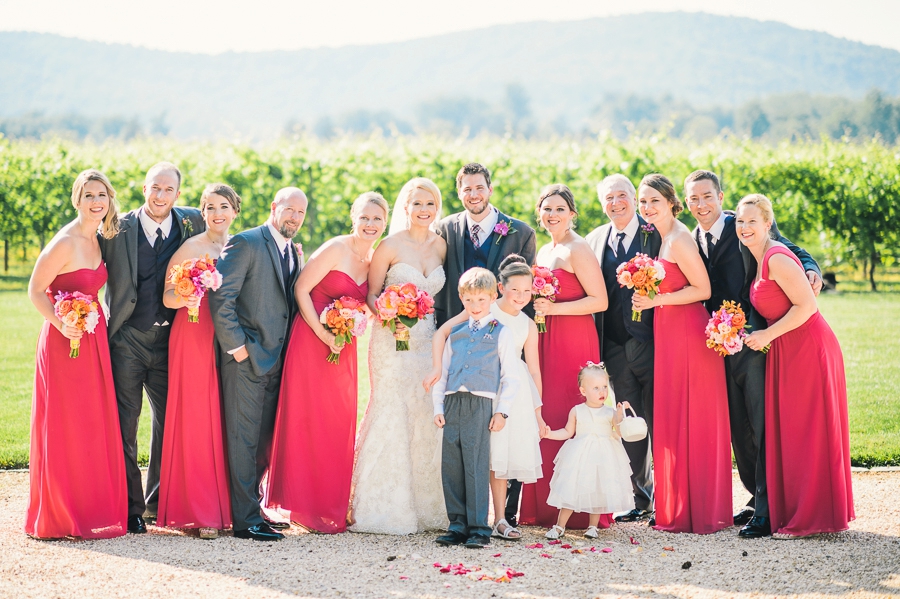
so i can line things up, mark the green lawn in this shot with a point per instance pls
(867, 325)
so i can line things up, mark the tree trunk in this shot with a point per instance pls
(6, 256)
(873, 260)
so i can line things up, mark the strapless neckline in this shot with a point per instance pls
(408, 265)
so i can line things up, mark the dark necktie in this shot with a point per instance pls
(476, 229)
(286, 266)
(709, 244)
(620, 247)
(157, 245)
(474, 326)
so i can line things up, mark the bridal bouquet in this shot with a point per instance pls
(195, 277)
(546, 285)
(643, 274)
(78, 310)
(727, 328)
(406, 303)
(346, 318)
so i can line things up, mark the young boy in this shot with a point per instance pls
(478, 356)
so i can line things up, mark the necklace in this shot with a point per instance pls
(356, 251)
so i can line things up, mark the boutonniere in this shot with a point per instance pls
(491, 326)
(647, 230)
(299, 247)
(502, 229)
(187, 227)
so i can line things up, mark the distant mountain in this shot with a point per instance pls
(565, 69)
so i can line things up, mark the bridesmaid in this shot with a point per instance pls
(807, 434)
(76, 472)
(691, 438)
(193, 490)
(570, 340)
(315, 429)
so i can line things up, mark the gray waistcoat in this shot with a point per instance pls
(475, 362)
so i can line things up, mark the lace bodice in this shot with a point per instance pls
(401, 273)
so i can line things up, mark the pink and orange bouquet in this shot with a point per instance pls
(78, 310)
(346, 318)
(406, 303)
(726, 330)
(195, 277)
(546, 285)
(643, 274)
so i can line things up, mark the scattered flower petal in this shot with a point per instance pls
(577, 551)
(546, 555)
(404, 578)
(555, 542)
(497, 555)
(566, 546)
(606, 550)
(668, 549)
(634, 541)
(535, 546)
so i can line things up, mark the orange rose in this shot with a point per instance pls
(639, 279)
(409, 289)
(738, 320)
(184, 287)
(65, 307)
(408, 308)
(70, 319)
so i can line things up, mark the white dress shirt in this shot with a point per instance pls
(506, 351)
(487, 224)
(281, 242)
(716, 230)
(630, 231)
(150, 226)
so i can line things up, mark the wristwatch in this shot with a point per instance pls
(504, 415)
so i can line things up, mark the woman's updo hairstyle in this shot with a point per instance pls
(513, 265)
(223, 190)
(558, 189)
(662, 184)
(765, 207)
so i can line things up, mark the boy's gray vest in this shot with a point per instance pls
(475, 362)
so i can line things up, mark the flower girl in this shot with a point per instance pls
(592, 472)
(515, 450)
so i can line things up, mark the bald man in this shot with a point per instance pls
(252, 313)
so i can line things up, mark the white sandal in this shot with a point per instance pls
(555, 532)
(591, 533)
(509, 532)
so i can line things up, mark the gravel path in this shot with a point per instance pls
(864, 562)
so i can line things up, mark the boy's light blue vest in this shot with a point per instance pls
(475, 362)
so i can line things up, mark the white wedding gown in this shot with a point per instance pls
(396, 482)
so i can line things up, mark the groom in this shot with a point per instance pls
(252, 313)
(481, 236)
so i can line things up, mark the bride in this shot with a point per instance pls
(396, 480)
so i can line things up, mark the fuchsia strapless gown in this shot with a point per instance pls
(77, 469)
(315, 428)
(691, 435)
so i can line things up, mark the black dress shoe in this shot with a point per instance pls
(260, 532)
(276, 525)
(511, 520)
(451, 538)
(759, 526)
(651, 522)
(136, 525)
(744, 516)
(478, 541)
(634, 515)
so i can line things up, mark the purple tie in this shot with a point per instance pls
(475, 231)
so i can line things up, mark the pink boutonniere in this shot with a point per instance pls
(299, 247)
(647, 230)
(187, 227)
(491, 326)
(502, 229)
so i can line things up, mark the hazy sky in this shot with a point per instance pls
(213, 26)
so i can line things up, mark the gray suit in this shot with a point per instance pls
(140, 359)
(253, 308)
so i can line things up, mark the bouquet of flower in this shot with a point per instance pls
(545, 285)
(346, 318)
(78, 310)
(727, 328)
(195, 277)
(406, 303)
(643, 274)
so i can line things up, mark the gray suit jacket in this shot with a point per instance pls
(453, 230)
(252, 307)
(120, 254)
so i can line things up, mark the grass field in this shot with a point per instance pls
(867, 325)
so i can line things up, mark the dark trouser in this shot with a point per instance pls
(745, 374)
(140, 361)
(466, 462)
(250, 402)
(631, 376)
(513, 491)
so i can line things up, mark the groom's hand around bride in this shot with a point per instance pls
(439, 420)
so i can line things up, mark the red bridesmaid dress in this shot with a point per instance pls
(807, 432)
(193, 487)
(568, 344)
(315, 427)
(691, 435)
(77, 469)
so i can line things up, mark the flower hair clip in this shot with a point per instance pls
(590, 364)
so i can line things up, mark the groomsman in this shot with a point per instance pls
(731, 270)
(626, 346)
(481, 236)
(252, 313)
(137, 260)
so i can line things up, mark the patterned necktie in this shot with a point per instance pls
(620, 248)
(474, 326)
(157, 245)
(476, 229)
(709, 244)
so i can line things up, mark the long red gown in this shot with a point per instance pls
(193, 487)
(77, 472)
(315, 428)
(691, 435)
(570, 341)
(807, 433)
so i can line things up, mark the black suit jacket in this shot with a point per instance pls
(732, 269)
(252, 307)
(453, 230)
(121, 255)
